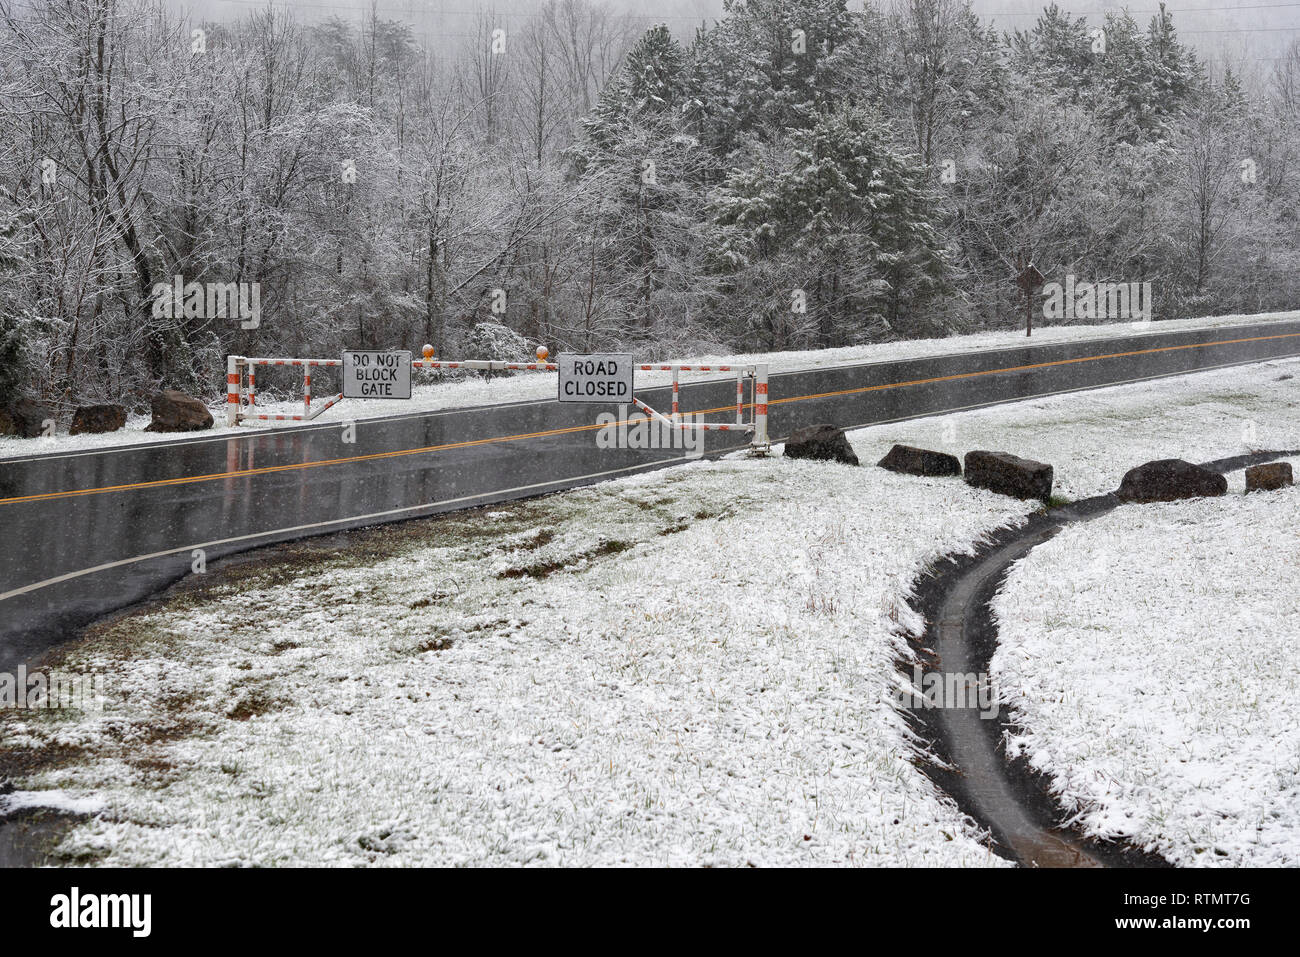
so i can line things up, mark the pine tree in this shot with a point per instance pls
(1145, 78)
(1056, 53)
(851, 220)
(640, 177)
(648, 87)
(770, 66)
(1176, 73)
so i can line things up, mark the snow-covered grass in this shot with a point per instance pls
(1092, 438)
(525, 387)
(1151, 657)
(688, 667)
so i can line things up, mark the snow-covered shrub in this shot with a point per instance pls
(492, 340)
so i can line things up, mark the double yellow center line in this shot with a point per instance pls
(375, 456)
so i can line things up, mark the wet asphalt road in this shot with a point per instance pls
(83, 548)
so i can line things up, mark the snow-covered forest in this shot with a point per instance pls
(795, 175)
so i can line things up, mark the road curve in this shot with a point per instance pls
(88, 533)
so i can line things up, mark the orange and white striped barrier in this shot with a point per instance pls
(757, 426)
(241, 382)
(241, 390)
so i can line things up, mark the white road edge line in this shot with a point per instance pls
(1079, 388)
(35, 586)
(592, 475)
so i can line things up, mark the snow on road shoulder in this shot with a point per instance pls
(1091, 439)
(689, 667)
(473, 391)
(1150, 655)
(49, 801)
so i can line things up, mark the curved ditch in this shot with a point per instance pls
(1006, 797)
(962, 741)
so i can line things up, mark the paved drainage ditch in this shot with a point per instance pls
(965, 750)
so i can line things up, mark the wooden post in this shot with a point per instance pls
(1028, 280)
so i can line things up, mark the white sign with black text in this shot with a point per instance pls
(376, 375)
(596, 378)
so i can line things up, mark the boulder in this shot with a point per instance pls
(820, 442)
(175, 411)
(25, 418)
(1009, 475)
(914, 461)
(1266, 478)
(1167, 480)
(97, 418)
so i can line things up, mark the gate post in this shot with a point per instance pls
(232, 390)
(760, 442)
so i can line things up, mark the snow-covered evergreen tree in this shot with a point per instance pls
(851, 221)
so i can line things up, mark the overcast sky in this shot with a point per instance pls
(1253, 31)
